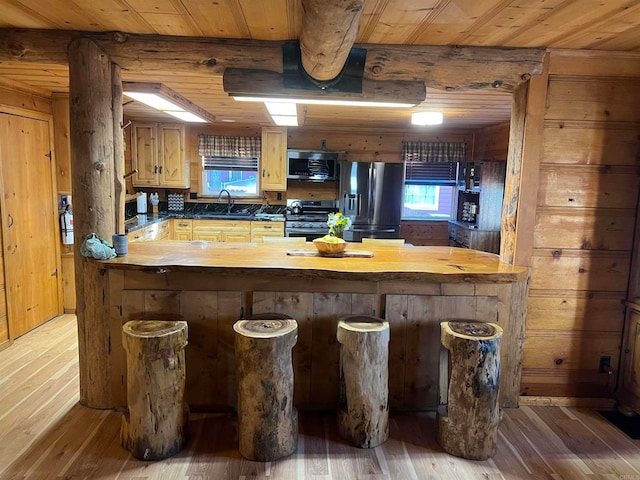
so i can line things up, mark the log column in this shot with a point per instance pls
(156, 423)
(363, 411)
(468, 416)
(267, 419)
(92, 163)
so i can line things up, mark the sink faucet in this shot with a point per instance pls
(229, 202)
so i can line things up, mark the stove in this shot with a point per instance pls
(308, 218)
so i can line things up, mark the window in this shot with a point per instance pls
(429, 190)
(237, 175)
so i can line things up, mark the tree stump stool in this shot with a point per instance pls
(267, 419)
(363, 409)
(155, 425)
(468, 410)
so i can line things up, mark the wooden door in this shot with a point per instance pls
(30, 246)
(174, 170)
(145, 155)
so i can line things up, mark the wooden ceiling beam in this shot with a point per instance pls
(442, 67)
(329, 29)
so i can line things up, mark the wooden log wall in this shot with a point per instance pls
(588, 148)
(491, 143)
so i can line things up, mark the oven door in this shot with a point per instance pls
(309, 233)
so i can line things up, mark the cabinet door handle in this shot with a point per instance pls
(160, 169)
(155, 169)
(268, 227)
(10, 221)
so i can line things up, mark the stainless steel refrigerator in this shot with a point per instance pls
(371, 195)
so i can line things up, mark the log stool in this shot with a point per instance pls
(156, 423)
(267, 419)
(468, 411)
(363, 409)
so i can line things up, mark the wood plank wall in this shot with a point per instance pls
(585, 217)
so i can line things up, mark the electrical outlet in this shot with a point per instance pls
(605, 364)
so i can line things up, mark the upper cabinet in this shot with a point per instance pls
(273, 163)
(158, 153)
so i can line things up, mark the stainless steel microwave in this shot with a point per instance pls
(312, 165)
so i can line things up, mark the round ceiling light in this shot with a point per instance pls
(427, 118)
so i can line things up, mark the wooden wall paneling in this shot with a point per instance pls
(584, 228)
(68, 283)
(594, 63)
(61, 135)
(4, 322)
(299, 306)
(570, 310)
(492, 177)
(491, 143)
(588, 186)
(312, 190)
(575, 351)
(230, 308)
(123, 306)
(577, 270)
(521, 184)
(425, 233)
(601, 99)
(591, 143)
(396, 311)
(13, 98)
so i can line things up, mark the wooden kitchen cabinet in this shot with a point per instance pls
(158, 154)
(181, 229)
(259, 230)
(631, 358)
(465, 237)
(273, 162)
(222, 230)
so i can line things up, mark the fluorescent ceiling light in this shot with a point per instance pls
(187, 116)
(281, 108)
(317, 101)
(285, 120)
(427, 118)
(166, 100)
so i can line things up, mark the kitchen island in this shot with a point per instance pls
(212, 285)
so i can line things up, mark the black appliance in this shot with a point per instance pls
(312, 166)
(308, 218)
(371, 195)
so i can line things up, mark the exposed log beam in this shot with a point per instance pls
(261, 83)
(442, 67)
(329, 30)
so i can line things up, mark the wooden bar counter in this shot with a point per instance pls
(212, 285)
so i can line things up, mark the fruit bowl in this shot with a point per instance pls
(329, 245)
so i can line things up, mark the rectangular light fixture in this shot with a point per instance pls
(427, 118)
(284, 114)
(166, 100)
(266, 86)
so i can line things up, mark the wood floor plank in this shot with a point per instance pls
(46, 434)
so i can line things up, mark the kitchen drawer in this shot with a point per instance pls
(136, 235)
(181, 229)
(223, 225)
(266, 229)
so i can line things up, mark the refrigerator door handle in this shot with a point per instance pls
(377, 230)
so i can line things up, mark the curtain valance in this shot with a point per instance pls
(231, 147)
(434, 152)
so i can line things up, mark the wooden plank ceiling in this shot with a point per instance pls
(575, 24)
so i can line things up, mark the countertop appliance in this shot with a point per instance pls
(308, 218)
(371, 195)
(312, 165)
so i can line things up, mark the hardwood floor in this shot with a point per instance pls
(46, 434)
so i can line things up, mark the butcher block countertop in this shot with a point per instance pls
(434, 264)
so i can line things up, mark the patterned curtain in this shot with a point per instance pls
(434, 152)
(231, 147)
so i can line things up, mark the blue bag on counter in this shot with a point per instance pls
(93, 247)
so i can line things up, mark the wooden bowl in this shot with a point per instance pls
(328, 248)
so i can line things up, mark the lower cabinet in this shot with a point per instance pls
(155, 231)
(222, 230)
(259, 230)
(484, 240)
(181, 229)
(631, 358)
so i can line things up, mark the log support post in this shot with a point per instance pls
(363, 410)
(155, 425)
(267, 419)
(92, 163)
(469, 414)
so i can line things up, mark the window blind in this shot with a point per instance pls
(229, 163)
(425, 173)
